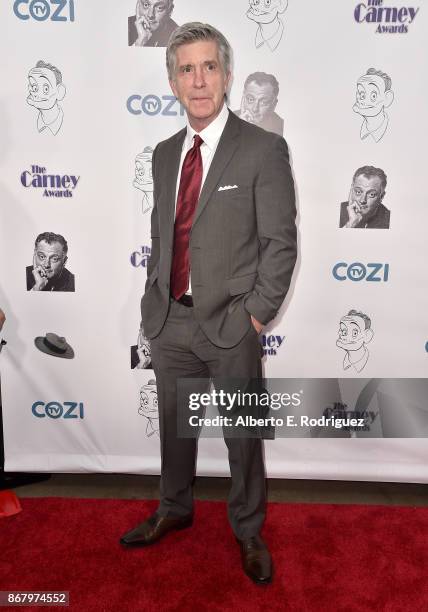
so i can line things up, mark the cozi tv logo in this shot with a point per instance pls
(56, 410)
(374, 272)
(271, 344)
(391, 20)
(154, 105)
(140, 258)
(53, 185)
(41, 10)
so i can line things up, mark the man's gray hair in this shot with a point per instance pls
(193, 32)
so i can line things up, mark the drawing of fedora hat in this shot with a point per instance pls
(54, 345)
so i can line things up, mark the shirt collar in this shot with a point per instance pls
(359, 364)
(54, 126)
(274, 40)
(377, 133)
(211, 134)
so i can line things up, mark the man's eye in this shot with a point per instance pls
(211, 67)
(55, 259)
(373, 96)
(250, 99)
(34, 87)
(362, 95)
(186, 69)
(358, 191)
(372, 194)
(46, 89)
(354, 333)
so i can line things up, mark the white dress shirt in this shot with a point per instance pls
(211, 136)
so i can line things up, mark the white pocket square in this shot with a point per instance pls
(225, 187)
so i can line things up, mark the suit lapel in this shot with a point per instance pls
(226, 148)
(172, 167)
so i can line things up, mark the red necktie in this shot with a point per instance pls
(188, 195)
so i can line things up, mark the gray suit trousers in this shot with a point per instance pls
(181, 350)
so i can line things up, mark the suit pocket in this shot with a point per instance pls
(241, 284)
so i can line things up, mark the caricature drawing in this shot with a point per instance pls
(374, 95)
(355, 333)
(45, 90)
(270, 25)
(149, 407)
(143, 178)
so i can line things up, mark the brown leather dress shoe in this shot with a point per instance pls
(153, 529)
(256, 560)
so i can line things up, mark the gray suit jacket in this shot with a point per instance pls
(242, 242)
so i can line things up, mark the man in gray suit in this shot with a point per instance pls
(223, 252)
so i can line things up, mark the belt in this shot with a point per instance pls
(185, 300)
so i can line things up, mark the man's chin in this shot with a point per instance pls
(265, 18)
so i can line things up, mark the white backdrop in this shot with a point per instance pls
(322, 54)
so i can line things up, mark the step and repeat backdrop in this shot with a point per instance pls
(85, 99)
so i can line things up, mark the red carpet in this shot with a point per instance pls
(327, 557)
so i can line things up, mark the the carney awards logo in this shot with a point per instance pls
(51, 185)
(388, 19)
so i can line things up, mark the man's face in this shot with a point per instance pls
(199, 82)
(154, 11)
(265, 11)
(148, 403)
(143, 173)
(50, 257)
(368, 193)
(352, 333)
(42, 88)
(259, 100)
(371, 97)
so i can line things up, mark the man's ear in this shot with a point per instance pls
(282, 6)
(173, 88)
(389, 98)
(368, 335)
(61, 91)
(65, 260)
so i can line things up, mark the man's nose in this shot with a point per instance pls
(151, 12)
(199, 78)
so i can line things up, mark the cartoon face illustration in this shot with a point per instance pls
(354, 333)
(143, 170)
(44, 86)
(149, 400)
(45, 90)
(374, 95)
(265, 11)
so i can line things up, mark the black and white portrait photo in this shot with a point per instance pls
(364, 208)
(48, 272)
(141, 355)
(152, 25)
(259, 100)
